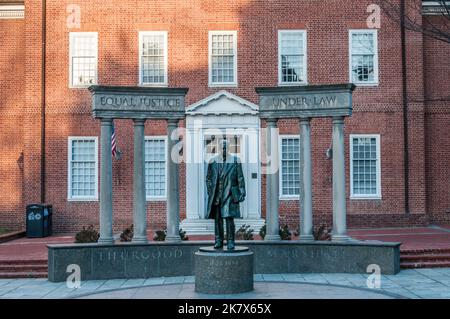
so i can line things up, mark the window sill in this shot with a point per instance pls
(80, 87)
(365, 197)
(157, 85)
(374, 84)
(293, 84)
(218, 85)
(286, 198)
(156, 199)
(82, 199)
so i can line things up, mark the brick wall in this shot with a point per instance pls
(11, 122)
(376, 109)
(437, 99)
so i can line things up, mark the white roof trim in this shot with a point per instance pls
(199, 108)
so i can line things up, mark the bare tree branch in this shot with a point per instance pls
(414, 20)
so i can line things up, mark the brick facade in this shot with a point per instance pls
(377, 110)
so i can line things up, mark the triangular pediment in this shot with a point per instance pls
(222, 102)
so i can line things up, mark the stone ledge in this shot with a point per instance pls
(130, 260)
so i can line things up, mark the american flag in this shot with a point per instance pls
(113, 142)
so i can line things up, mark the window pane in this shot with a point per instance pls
(290, 170)
(222, 58)
(153, 59)
(83, 168)
(363, 57)
(292, 55)
(84, 59)
(155, 167)
(364, 166)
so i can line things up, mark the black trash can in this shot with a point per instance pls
(39, 220)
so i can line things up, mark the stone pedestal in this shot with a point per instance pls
(220, 271)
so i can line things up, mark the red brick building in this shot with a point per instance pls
(49, 140)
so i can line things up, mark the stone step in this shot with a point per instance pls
(24, 262)
(425, 251)
(431, 264)
(17, 275)
(206, 226)
(11, 236)
(23, 268)
(425, 257)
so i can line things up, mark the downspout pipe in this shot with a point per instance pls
(43, 98)
(405, 106)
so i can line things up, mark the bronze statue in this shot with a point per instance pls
(226, 189)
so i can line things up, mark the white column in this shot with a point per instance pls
(339, 198)
(173, 207)
(106, 208)
(139, 201)
(306, 217)
(272, 181)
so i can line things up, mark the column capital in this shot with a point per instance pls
(106, 121)
(172, 122)
(338, 120)
(138, 122)
(272, 122)
(305, 120)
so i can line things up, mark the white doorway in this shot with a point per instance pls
(206, 122)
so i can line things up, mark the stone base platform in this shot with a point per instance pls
(161, 259)
(222, 271)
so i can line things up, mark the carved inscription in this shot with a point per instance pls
(113, 255)
(126, 102)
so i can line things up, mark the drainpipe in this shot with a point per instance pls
(43, 101)
(405, 106)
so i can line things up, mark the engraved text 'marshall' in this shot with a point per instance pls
(139, 102)
(304, 102)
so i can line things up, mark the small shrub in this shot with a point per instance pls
(160, 235)
(284, 232)
(244, 233)
(322, 233)
(127, 234)
(183, 235)
(262, 231)
(87, 235)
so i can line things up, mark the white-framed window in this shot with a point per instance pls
(289, 166)
(292, 57)
(83, 58)
(153, 58)
(365, 166)
(155, 167)
(363, 47)
(222, 58)
(83, 168)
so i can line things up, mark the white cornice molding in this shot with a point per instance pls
(433, 8)
(12, 11)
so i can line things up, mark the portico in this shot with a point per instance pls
(137, 104)
(304, 103)
(220, 114)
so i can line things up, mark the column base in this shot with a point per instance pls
(306, 238)
(340, 238)
(105, 241)
(173, 239)
(139, 240)
(272, 238)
